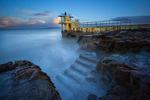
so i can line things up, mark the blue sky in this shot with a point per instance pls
(43, 12)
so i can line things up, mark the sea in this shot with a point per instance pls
(44, 47)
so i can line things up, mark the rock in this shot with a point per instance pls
(22, 80)
(6, 67)
(125, 41)
(130, 83)
(92, 97)
(117, 41)
(88, 41)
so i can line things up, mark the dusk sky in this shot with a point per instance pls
(23, 13)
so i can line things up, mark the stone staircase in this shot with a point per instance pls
(79, 80)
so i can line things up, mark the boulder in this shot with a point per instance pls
(22, 80)
(129, 83)
(92, 97)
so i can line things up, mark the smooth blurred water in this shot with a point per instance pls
(56, 56)
(44, 47)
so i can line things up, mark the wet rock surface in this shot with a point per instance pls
(117, 41)
(22, 80)
(128, 81)
(75, 34)
(90, 42)
(125, 62)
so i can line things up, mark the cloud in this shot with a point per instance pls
(29, 12)
(28, 18)
(45, 13)
(9, 21)
(35, 21)
(134, 19)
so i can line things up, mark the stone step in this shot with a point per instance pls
(89, 58)
(86, 65)
(88, 62)
(74, 78)
(73, 75)
(79, 69)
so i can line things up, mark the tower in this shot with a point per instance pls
(65, 22)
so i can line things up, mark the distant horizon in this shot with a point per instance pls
(27, 28)
(134, 18)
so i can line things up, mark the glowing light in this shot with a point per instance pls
(57, 20)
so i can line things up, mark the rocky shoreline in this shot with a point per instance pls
(128, 79)
(22, 80)
(117, 41)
